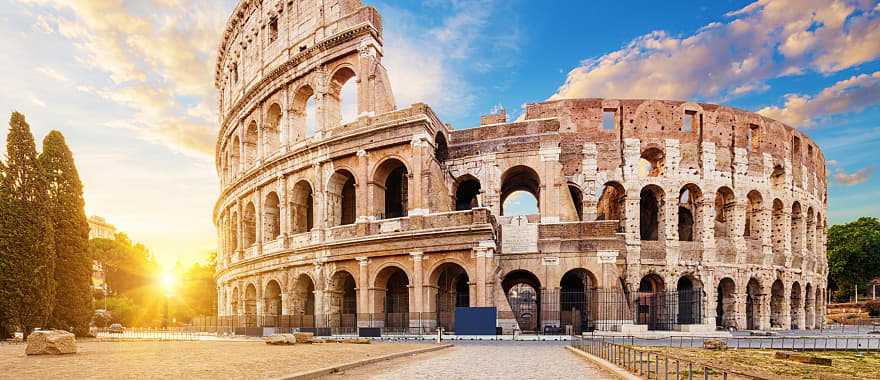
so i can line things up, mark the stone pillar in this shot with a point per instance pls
(364, 189)
(363, 292)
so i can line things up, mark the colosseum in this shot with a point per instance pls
(340, 210)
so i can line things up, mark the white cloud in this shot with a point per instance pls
(767, 39)
(849, 95)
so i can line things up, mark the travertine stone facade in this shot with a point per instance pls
(395, 211)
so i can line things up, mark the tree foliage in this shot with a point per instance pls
(73, 264)
(27, 282)
(853, 255)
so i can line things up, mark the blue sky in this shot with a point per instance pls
(129, 83)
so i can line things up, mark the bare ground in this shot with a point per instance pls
(186, 360)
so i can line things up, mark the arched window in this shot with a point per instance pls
(272, 130)
(391, 188)
(520, 191)
(466, 193)
(302, 206)
(271, 218)
(341, 198)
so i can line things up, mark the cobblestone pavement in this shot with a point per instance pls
(484, 360)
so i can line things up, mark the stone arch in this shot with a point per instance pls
(441, 147)
(302, 300)
(725, 204)
(467, 191)
(342, 98)
(754, 210)
(272, 129)
(577, 303)
(777, 302)
(272, 299)
(690, 295)
(342, 294)
(391, 285)
(391, 188)
(520, 178)
(303, 113)
(725, 309)
(302, 205)
(778, 232)
(612, 202)
(651, 213)
(651, 163)
(690, 211)
(251, 139)
(271, 217)
(754, 304)
(523, 291)
(249, 225)
(452, 289)
(341, 198)
(796, 306)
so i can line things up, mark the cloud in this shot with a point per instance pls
(158, 55)
(765, 40)
(854, 178)
(850, 95)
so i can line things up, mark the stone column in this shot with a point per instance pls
(364, 191)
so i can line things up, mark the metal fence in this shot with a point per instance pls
(648, 363)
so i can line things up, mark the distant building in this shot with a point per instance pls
(99, 228)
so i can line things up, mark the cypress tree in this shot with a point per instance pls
(73, 265)
(30, 283)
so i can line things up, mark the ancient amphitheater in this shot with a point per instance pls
(651, 214)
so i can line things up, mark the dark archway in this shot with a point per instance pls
(523, 290)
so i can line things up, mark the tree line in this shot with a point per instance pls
(45, 268)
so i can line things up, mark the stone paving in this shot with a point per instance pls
(484, 360)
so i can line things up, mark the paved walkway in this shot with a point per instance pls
(484, 360)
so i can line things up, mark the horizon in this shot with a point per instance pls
(133, 92)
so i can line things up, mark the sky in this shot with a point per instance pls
(130, 83)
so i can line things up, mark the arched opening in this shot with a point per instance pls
(724, 208)
(651, 303)
(304, 115)
(778, 232)
(302, 207)
(272, 130)
(796, 306)
(651, 163)
(690, 199)
(466, 193)
(453, 290)
(725, 309)
(523, 290)
(343, 301)
(577, 202)
(391, 184)
(777, 301)
(250, 225)
(271, 218)
(302, 303)
(342, 100)
(236, 156)
(521, 185)
(690, 305)
(234, 303)
(441, 148)
(777, 178)
(272, 299)
(651, 213)
(341, 199)
(754, 296)
(809, 303)
(612, 202)
(754, 221)
(392, 298)
(250, 301)
(576, 299)
(250, 145)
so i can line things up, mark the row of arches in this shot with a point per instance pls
(308, 112)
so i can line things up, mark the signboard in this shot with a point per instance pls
(519, 236)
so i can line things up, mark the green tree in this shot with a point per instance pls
(28, 283)
(853, 255)
(73, 264)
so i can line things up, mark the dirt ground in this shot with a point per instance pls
(762, 363)
(186, 360)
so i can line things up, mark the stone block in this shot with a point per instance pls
(50, 342)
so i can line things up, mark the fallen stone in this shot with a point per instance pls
(50, 342)
(714, 344)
